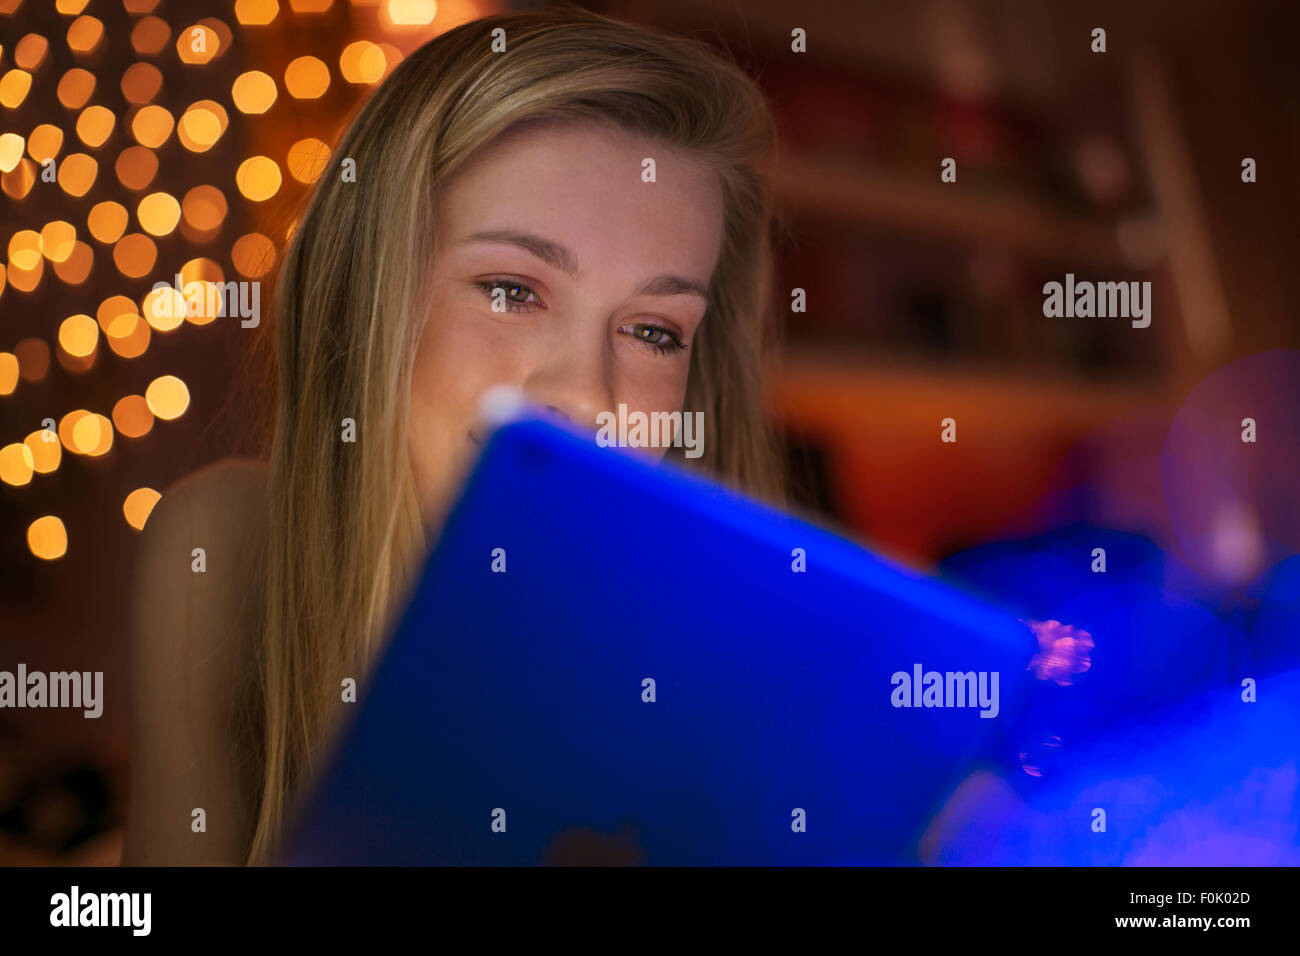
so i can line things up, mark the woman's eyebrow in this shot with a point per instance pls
(673, 285)
(552, 253)
(560, 257)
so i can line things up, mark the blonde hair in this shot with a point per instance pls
(349, 303)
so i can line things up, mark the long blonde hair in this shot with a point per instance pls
(346, 536)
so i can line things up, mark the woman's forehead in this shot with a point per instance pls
(602, 192)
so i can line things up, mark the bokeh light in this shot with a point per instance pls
(209, 302)
(47, 538)
(362, 62)
(16, 464)
(150, 35)
(18, 182)
(201, 125)
(33, 359)
(67, 428)
(79, 335)
(26, 280)
(131, 416)
(152, 125)
(134, 255)
(307, 159)
(45, 142)
(224, 36)
(158, 213)
(253, 92)
(58, 239)
(84, 35)
(392, 57)
(46, 455)
(253, 255)
(306, 78)
(95, 125)
(258, 178)
(11, 151)
(164, 308)
(141, 83)
(198, 44)
(136, 167)
(201, 269)
(76, 268)
(112, 311)
(168, 397)
(77, 174)
(8, 373)
(75, 88)
(129, 336)
(14, 86)
(91, 435)
(410, 13)
(204, 209)
(30, 52)
(138, 506)
(256, 12)
(25, 248)
(77, 364)
(107, 221)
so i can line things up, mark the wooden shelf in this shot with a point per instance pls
(861, 195)
(835, 387)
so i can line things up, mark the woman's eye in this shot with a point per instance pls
(655, 336)
(513, 295)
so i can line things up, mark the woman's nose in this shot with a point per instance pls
(575, 386)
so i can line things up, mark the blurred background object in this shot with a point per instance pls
(185, 137)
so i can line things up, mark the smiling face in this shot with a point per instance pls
(599, 279)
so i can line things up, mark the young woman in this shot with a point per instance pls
(503, 227)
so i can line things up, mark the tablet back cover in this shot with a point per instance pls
(647, 655)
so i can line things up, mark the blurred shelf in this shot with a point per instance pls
(838, 391)
(864, 196)
(878, 424)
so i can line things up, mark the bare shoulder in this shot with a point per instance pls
(194, 619)
(225, 493)
(200, 562)
(219, 508)
(207, 531)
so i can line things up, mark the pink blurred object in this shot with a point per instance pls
(1062, 651)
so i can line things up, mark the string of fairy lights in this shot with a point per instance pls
(81, 149)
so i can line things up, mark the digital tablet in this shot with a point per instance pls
(610, 659)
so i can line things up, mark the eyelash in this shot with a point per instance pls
(491, 285)
(673, 343)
